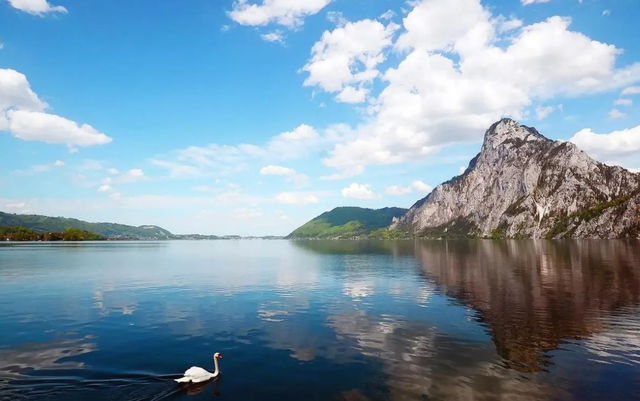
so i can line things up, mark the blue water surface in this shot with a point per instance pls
(321, 320)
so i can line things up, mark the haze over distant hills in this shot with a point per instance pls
(46, 224)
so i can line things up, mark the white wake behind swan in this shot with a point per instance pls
(196, 374)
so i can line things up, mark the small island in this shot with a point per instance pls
(19, 233)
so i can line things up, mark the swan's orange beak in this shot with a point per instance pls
(219, 356)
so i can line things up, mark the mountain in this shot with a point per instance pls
(59, 224)
(524, 185)
(345, 222)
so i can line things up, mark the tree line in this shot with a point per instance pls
(19, 233)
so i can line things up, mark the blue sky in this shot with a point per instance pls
(253, 116)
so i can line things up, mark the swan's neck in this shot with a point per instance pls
(215, 363)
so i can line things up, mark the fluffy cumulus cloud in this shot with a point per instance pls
(458, 73)
(528, 2)
(288, 13)
(36, 7)
(23, 114)
(614, 145)
(359, 191)
(416, 186)
(344, 61)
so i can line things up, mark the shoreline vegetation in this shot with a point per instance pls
(20, 233)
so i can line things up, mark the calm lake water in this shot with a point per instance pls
(321, 320)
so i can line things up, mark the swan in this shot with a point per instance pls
(196, 374)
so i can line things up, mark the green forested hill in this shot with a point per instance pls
(348, 222)
(59, 224)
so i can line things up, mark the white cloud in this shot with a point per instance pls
(273, 37)
(15, 92)
(299, 179)
(36, 7)
(623, 102)
(1, 45)
(632, 90)
(199, 161)
(277, 170)
(606, 12)
(388, 15)
(112, 171)
(40, 168)
(296, 198)
(614, 145)
(104, 188)
(359, 191)
(615, 113)
(506, 25)
(527, 2)
(416, 186)
(22, 114)
(458, 74)
(246, 213)
(462, 169)
(49, 128)
(133, 175)
(543, 112)
(347, 57)
(288, 13)
(420, 186)
(352, 95)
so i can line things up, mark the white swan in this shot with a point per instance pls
(196, 374)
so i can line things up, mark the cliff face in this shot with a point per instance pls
(525, 185)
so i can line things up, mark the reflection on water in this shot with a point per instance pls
(322, 320)
(536, 295)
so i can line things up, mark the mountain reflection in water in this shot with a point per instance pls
(536, 299)
(534, 296)
(322, 320)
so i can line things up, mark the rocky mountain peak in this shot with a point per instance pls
(525, 185)
(509, 132)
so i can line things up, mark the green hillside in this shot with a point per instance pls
(43, 224)
(348, 222)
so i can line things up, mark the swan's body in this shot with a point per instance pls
(196, 374)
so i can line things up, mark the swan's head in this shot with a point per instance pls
(217, 355)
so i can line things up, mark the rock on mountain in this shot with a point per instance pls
(524, 185)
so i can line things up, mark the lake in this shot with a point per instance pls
(321, 320)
